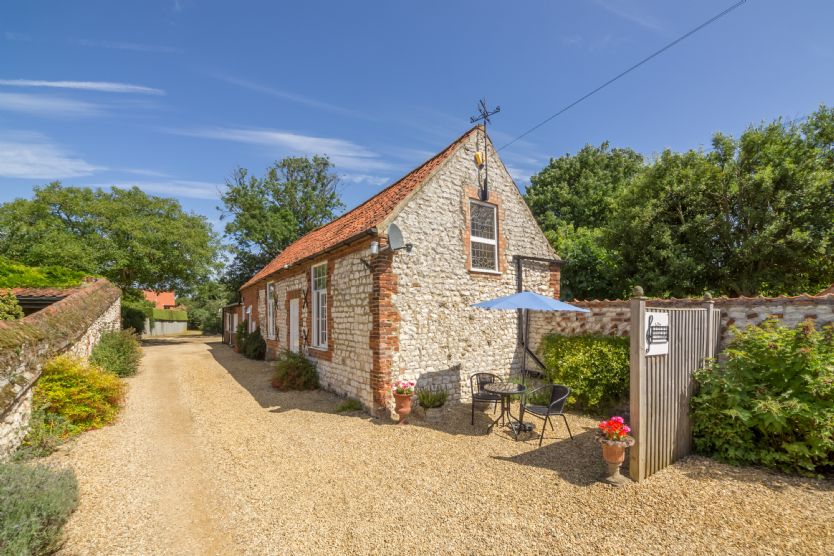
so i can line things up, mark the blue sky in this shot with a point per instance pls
(173, 95)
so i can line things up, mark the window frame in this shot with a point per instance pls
(318, 308)
(249, 319)
(271, 329)
(473, 239)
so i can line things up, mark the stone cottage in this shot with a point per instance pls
(367, 314)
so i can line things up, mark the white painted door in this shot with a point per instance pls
(293, 340)
(232, 339)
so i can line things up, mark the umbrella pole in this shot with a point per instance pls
(524, 333)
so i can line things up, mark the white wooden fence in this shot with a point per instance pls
(661, 384)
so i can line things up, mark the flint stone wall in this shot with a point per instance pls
(613, 318)
(442, 339)
(72, 325)
(345, 369)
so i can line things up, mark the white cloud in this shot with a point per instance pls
(145, 172)
(346, 155)
(172, 188)
(44, 105)
(630, 12)
(100, 86)
(364, 178)
(132, 46)
(31, 155)
(299, 99)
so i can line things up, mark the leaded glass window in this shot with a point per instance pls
(482, 236)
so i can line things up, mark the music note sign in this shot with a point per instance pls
(656, 333)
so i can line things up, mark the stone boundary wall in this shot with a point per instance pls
(71, 325)
(612, 318)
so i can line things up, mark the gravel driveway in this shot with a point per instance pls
(208, 459)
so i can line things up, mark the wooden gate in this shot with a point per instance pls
(667, 346)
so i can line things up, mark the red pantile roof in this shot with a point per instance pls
(162, 300)
(42, 292)
(361, 219)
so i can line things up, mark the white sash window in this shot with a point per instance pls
(319, 305)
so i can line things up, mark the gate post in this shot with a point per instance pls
(637, 385)
(711, 331)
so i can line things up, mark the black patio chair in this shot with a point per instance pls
(479, 395)
(558, 397)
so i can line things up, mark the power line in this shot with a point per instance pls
(629, 70)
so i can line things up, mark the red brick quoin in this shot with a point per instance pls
(385, 325)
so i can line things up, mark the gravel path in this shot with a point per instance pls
(208, 459)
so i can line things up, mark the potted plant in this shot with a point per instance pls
(614, 437)
(403, 390)
(432, 402)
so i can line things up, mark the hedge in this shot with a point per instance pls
(596, 368)
(17, 275)
(170, 315)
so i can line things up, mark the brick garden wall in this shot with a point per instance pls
(612, 318)
(72, 325)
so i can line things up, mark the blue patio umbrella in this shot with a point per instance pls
(528, 301)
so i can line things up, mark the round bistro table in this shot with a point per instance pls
(507, 390)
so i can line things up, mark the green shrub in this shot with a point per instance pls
(83, 394)
(241, 333)
(769, 400)
(135, 309)
(596, 368)
(254, 345)
(293, 371)
(9, 307)
(46, 432)
(176, 315)
(349, 404)
(118, 351)
(35, 502)
(430, 398)
(18, 275)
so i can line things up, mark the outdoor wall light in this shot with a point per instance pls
(374, 248)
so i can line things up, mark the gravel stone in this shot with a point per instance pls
(207, 458)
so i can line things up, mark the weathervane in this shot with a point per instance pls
(481, 158)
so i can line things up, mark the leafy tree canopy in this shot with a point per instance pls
(204, 305)
(133, 239)
(753, 215)
(296, 195)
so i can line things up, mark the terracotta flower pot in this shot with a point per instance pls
(613, 454)
(402, 405)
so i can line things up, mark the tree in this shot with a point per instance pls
(204, 305)
(266, 214)
(755, 215)
(573, 199)
(582, 189)
(751, 216)
(133, 239)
